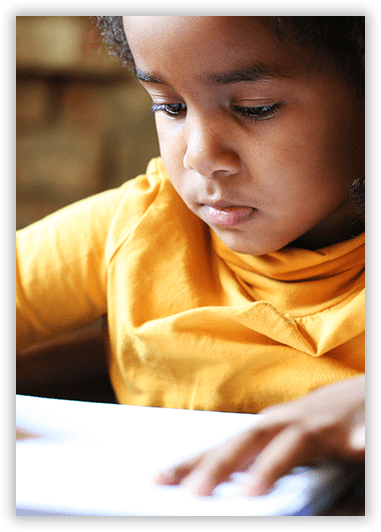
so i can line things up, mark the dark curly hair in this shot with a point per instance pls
(339, 40)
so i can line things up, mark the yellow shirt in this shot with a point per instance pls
(192, 324)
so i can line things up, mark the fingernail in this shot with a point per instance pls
(164, 477)
(253, 491)
(256, 489)
(201, 485)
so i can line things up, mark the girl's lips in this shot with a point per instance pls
(228, 216)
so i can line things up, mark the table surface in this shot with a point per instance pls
(78, 458)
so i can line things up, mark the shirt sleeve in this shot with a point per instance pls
(61, 269)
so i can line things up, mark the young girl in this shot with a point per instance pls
(232, 273)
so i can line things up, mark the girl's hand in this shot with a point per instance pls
(327, 424)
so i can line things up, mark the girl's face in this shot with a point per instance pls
(259, 141)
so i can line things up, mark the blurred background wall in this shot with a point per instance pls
(83, 123)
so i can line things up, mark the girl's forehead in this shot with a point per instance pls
(202, 39)
(200, 30)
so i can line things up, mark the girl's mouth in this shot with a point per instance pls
(229, 216)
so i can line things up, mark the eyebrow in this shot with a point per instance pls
(253, 73)
(148, 78)
(256, 72)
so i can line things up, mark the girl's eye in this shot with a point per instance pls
(171, 109)
(177, 110)
(257, 113)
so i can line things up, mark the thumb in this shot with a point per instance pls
(357, 438)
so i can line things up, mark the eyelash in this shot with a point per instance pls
(169, 109)
(176, 110)
(258, 113)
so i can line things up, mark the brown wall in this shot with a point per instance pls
(83, 122)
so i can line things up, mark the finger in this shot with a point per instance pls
(202, 473)
(288, 449)
(356, 443)
(174, 475)
(217, 465)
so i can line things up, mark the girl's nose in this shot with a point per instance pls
(209, 149)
